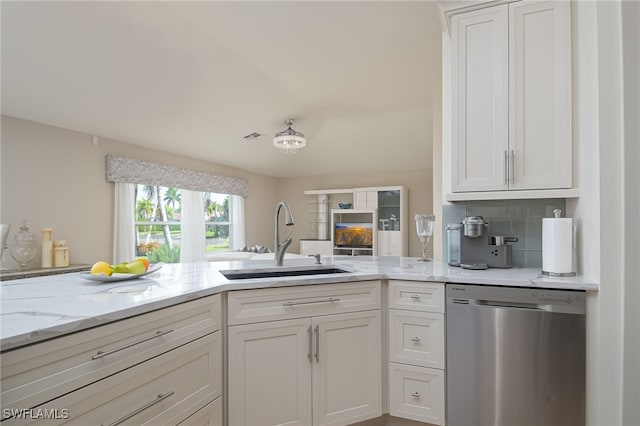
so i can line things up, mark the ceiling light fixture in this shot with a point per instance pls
(289, 141)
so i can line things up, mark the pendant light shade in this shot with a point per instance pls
(289, 141)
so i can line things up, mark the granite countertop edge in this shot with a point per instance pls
(36, 309)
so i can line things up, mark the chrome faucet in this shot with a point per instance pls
(281, 248)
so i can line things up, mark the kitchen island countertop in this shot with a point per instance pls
(40, 308)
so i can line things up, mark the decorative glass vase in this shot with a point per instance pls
(24, 247)
(424, 229)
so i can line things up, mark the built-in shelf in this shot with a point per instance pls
(39, 272)
(328, 191)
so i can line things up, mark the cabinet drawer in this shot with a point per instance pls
(416, 338)
(417, 393)
(211, 415)
(163, 390)
(248, 306)
(41, 372)
(426, 297)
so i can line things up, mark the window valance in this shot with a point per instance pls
(129, 170)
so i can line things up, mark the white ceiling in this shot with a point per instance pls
(193, 78)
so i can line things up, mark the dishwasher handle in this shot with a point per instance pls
(505, 304)
(520, 305)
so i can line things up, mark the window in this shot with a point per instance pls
(158, 222)
(217, 214)
(147, 222)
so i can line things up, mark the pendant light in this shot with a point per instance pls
(289, 141)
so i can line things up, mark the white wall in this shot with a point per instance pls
(55, 178)
(609, 196)
(631, 70)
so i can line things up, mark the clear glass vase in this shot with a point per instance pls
(24, 247)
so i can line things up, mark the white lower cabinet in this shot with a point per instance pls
(153, 369)
(162, 391)
(347, 374)
(417, 393)
(417, 351)
(416, 338)
(314, 370)
(269, 377)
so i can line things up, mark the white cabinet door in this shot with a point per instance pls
(365, 198)
(416, 338)
(540, 94)
(417, 393)
(390, 243)
(480, 99)
(425, 297)
(347, 372)
(269, 373)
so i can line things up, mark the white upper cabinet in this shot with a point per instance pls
(365, 198)
(480, 93)
(511, 88)
(540, 94)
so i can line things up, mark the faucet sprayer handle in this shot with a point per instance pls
(317, 256)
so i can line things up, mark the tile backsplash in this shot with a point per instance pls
(513, 218)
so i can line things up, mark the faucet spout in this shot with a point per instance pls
(281, 247)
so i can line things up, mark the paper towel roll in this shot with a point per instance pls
(557, 245)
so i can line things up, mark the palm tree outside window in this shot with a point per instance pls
(157, 222)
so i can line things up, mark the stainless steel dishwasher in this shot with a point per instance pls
(515, 356)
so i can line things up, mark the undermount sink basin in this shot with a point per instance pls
(283, 271)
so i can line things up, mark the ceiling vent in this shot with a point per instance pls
(253, 136)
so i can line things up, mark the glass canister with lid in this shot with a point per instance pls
(24, 246)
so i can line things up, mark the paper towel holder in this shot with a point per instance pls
(556, 214)
(558, 274)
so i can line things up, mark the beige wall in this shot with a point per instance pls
(55, 178)
(418, 182)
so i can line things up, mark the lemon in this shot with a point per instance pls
(101, 268)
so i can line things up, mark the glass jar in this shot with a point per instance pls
(24, 246)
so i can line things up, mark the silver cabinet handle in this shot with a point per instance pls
(159, 333)
(317, 343)
(329, 300)
(415, 339)
(161, 397)
(310, 345)
(513, 164)
(415, 297)
(415, 395)
(506, 167)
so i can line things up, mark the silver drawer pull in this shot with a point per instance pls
(513, 166)
(159, 398)
(415, 339)
(415, 395)
(329, 300)
(317, 343)
(415, 297)
(506, 168)
(310, 345)
(159, 333)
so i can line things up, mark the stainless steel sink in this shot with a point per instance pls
(283, 271)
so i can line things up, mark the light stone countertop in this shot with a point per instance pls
(40, 308)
